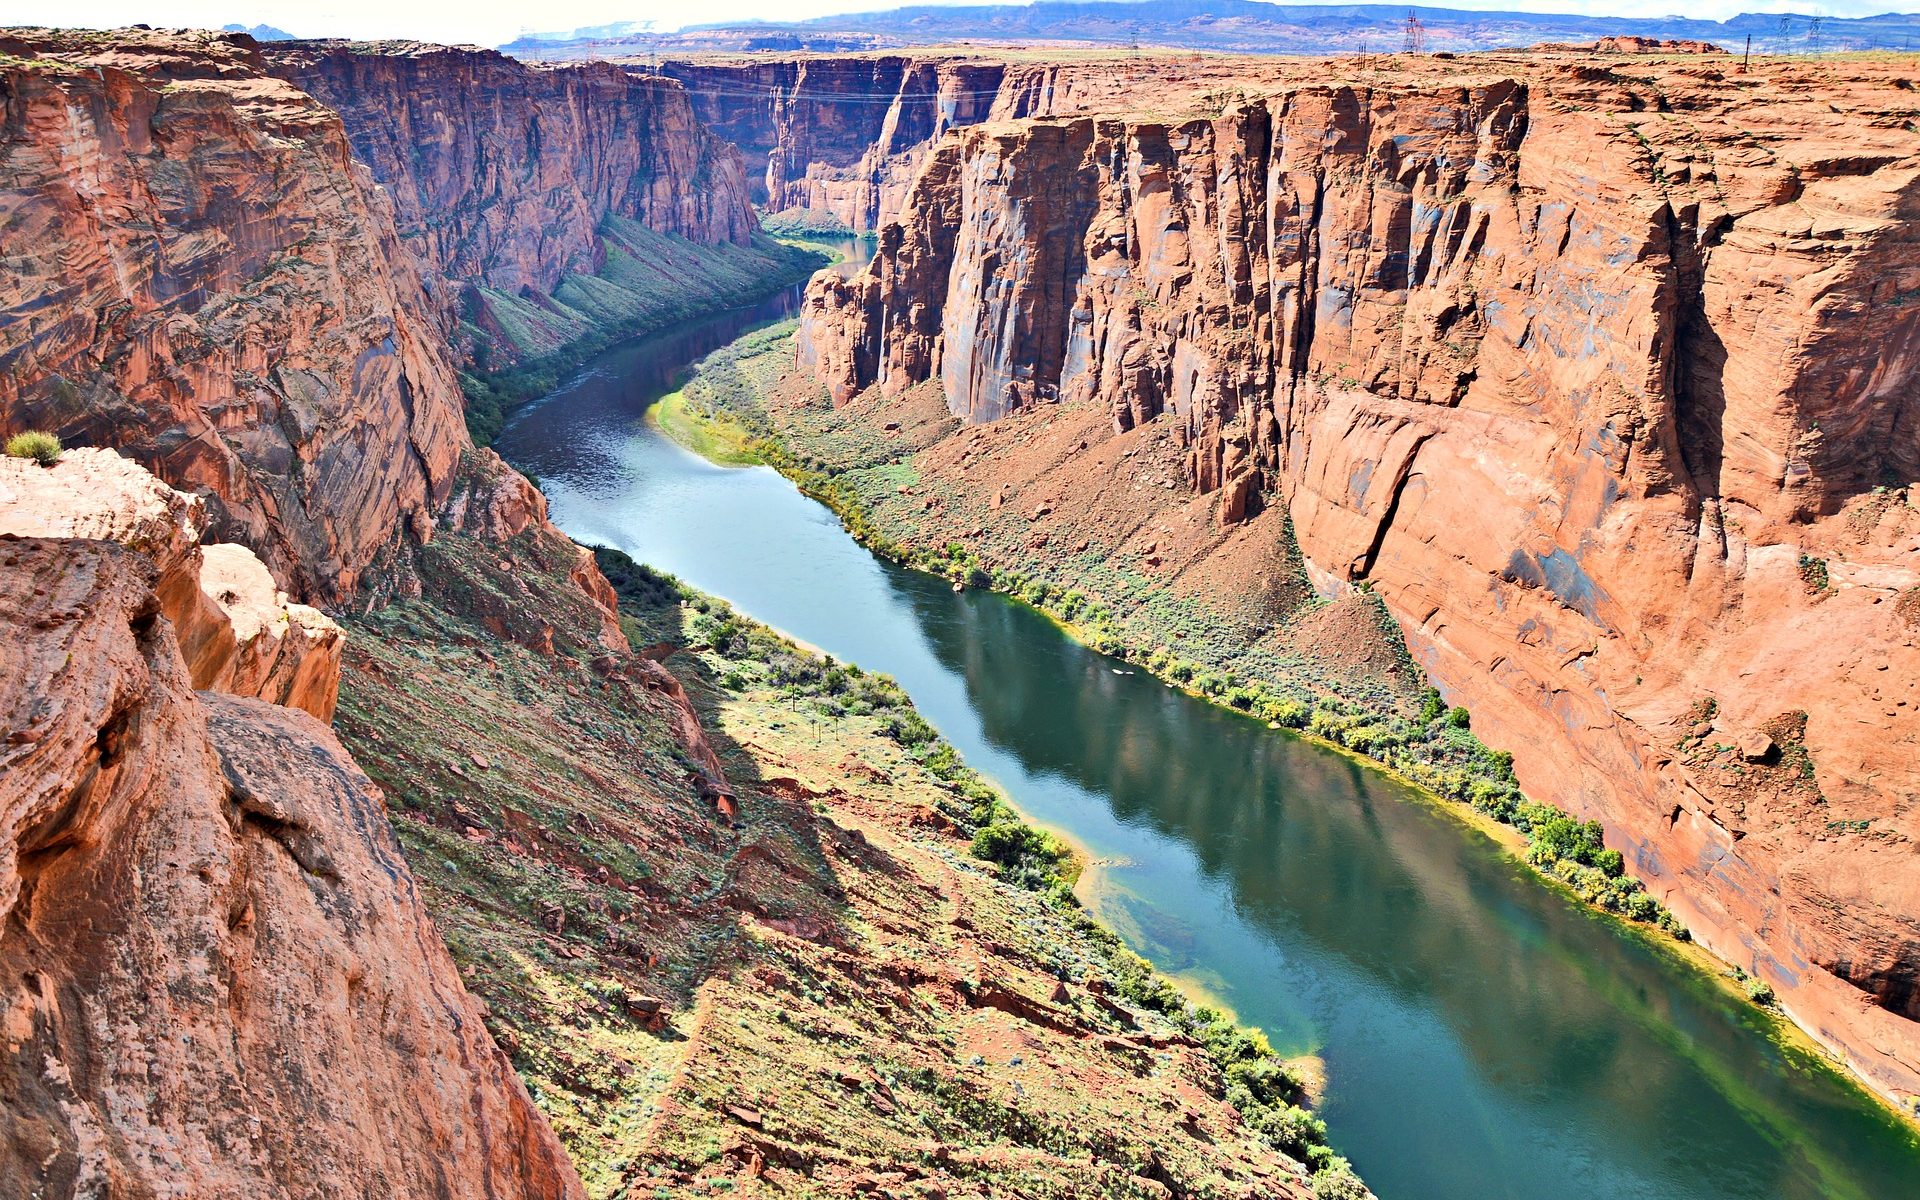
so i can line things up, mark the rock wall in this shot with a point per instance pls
(199, 274)
(1590, 370)
(236, 630)
(217, 975)
(501, 172)
(838, 135)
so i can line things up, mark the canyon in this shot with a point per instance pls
(1597, 371)
(343, 792)
(363, 832)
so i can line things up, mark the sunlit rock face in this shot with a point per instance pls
(200, 275)
(217, 975)
(1614, 408)
(501, 172)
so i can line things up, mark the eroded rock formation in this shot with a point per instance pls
(236, 629)
(218, 978)
(845, 135)
(839, 135)
(501, 173)
(1603, 377)
(200, 275)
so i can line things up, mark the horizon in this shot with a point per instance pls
(448, 21)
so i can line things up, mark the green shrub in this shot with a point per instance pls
(1025, 855)
(1460, 718)
(1290, 713)
(1266, 1079)
(36, 444)
(1760, 992)
(1432, 707)
(1336, 1181)
(908, 728)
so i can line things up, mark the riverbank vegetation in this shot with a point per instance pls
(523, 346)
(751, 658)
(1430, 745)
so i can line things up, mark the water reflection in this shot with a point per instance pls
(1483, 1037)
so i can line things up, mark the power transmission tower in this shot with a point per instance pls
(1813, 32)
(1416, 34)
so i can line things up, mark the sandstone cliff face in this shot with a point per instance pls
(501, 173)
(838, 135)
(845, 134)
(218, 979)
(236, 629)
(1592, 376)
(200, 275)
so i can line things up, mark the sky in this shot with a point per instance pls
(490, 22)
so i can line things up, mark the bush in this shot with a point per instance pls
(1460, 718)
(907, 728)
(1290, 713)
(1760, 992)
(36, 444)
(1026, 856)
(1336, 1181)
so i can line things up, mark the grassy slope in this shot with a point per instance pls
(524, 345)
(907, 492)
(836, 995)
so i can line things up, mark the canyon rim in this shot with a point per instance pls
(1542, 426)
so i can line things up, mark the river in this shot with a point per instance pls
(1484, 1036)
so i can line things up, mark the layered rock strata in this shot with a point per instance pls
(200, 275)
(845, 135)
(218, 977)
(1601, 375)
(501, 173)
(837, 135)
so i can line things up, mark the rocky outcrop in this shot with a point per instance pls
(217, 975)
(201, 276)
(275, 650)
(501, 173)
(493, 505)
(236, 630)
(1592, 376)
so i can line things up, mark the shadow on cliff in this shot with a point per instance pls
(778, 870)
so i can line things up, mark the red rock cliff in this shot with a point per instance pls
(217, 974)
(198, 273)
(839, 135)
(1592, 376)
(846, 134)
(501, 172)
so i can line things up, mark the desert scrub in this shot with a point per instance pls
(37, 444)
(1813, 574)
(1256, 1081)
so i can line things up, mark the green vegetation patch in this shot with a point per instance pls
(524, 346)
(38, 445)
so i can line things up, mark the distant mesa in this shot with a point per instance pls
(1240, 26)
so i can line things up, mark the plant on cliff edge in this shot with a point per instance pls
(36, 444)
